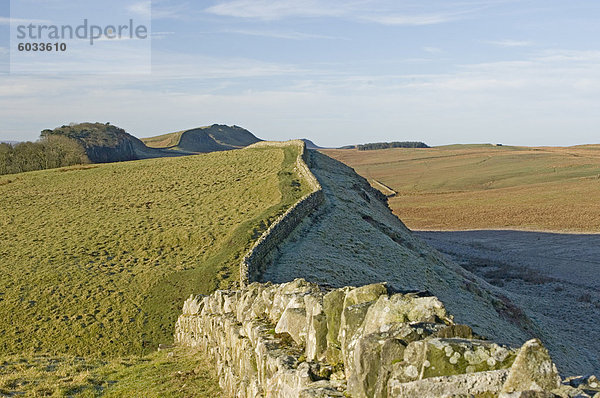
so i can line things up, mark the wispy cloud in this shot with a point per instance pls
(280, 34)
(270, 10)
(409, 13)
(157, 9)
(510, 43)
(161, 35)
(433, 50)
(572, 56)
(414, 20)
(8, 21)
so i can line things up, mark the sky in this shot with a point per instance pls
(337, 72)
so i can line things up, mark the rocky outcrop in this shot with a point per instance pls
(299, 339)
(105, 143)
(257, 259)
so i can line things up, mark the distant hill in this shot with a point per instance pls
(9, 142)
(386, 145)
(310, 144)
(213, 138)
(105, 143)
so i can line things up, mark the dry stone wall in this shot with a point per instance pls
(298, 339)
(256, 260)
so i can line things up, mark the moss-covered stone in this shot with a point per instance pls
(401, 308)
(446, 357)
(365, 294)
(333, 304)
(533, 369)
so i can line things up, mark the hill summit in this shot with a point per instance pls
(217, 137)
(105, 143)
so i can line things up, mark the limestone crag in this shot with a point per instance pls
(287, 340)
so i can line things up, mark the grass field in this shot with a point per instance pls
(97, 260)
(461, 187)
(179, 373)
(168, 140)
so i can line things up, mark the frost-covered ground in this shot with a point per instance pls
(555, 278)
(354, 239)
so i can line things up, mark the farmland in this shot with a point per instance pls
(461, 187)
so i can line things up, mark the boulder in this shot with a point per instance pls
(533, 370)
(352, 318)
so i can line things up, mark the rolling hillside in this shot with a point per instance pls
(485, 186)
(97, 259)
(204, 139)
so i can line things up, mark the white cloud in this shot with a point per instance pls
(510, 43)
(8, 21)
(533, 100)
(157, 9)
(280, 34)
(409, 13)
(142, 8)
(270, 9)
(433, 50)
(413, 20)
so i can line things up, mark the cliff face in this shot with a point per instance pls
(120, 151)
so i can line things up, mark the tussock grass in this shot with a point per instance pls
(460, 187)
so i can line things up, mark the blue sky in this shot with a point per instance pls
(338, 72)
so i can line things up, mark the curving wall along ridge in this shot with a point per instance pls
(256, 260)
(299, 339)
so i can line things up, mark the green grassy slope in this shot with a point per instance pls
(203, 139)
(97, 260)
(483, 186)
(179, 373)
(167, 140)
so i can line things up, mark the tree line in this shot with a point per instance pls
(395, 144)
(47, 153)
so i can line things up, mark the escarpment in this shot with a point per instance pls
(338, 299)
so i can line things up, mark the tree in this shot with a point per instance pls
(50, 152)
